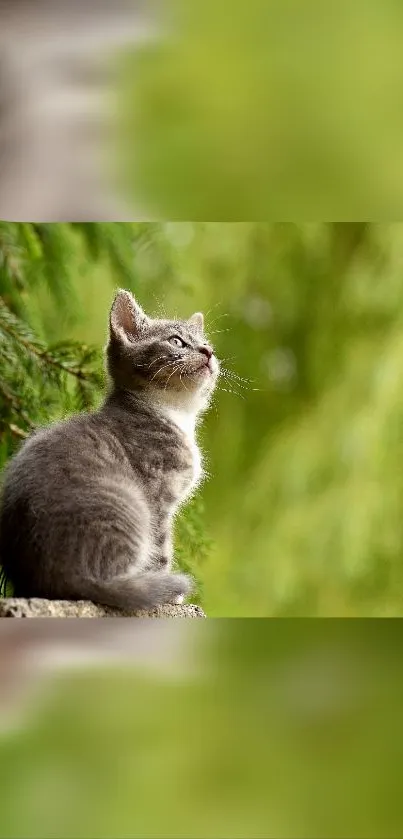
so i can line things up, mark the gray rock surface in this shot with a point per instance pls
(15, 607)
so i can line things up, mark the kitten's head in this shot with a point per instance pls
(169, 359)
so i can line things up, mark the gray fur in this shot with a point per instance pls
(88, 503)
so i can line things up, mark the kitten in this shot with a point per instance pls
(88, 503)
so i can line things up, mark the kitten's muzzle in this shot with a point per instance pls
(207, 351)
(208, 366)
(208, 354)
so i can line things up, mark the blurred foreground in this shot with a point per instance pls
(229, 729)
(57, 94)
(170, 109)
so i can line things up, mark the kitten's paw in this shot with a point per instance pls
(168, 588)
(179, 600)
(181, 586)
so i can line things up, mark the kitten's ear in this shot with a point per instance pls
(127, 319)
(197, 322)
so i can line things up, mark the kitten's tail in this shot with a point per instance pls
(144, 591)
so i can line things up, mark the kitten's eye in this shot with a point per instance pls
(177, 341)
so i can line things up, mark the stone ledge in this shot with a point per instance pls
(16, 607)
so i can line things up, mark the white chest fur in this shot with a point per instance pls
(187, 423)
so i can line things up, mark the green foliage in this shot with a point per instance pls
(193, 544)
(36, 379)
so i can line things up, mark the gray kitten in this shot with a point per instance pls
(88, 503)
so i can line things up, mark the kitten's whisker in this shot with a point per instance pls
(234, 375)
(164, 366)
(176, 370)
(206, 314)
(181, 379)
(229, 358)
(240, 382)
(244, 383)
(235, 384)
(248, 387)
(161, 307)
(227, 369)
(219, 317)
(234, 393)
(155, 360)
(160, 369)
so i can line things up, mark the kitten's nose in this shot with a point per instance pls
(206, 350)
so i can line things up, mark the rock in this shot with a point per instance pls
(16, 607)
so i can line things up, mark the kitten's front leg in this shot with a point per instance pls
(163, 554)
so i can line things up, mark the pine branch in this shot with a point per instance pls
(17, 431)
(35, 380)
(15, 404)
(41, 354)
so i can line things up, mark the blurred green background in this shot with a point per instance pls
(302, 513)
(266, 110)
